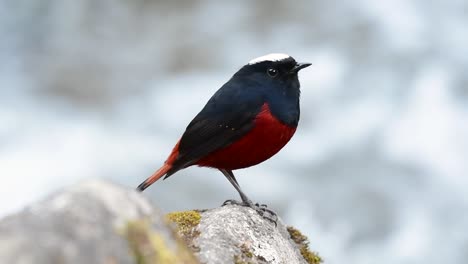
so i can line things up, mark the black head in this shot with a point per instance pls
(273, 70)
(273, 79)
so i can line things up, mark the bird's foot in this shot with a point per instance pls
(261, 209)
(266, 213)
(233, 202)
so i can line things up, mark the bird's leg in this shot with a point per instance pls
(261, 209)
(245, 200)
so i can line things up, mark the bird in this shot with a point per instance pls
(247, 121)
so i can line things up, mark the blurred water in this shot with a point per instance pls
(375, 174)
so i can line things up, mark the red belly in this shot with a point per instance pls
(267, 137)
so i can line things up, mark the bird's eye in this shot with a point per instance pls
(272, 72)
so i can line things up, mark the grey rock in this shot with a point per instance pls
(98, 222)
(87, 223)
(234, 233)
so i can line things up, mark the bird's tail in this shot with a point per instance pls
(158, 174)
(164, 170)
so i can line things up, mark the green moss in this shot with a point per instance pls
(245, 257)
(246, 251)
(303, 243)
(148, 246)
(186, 223)
(309, 256)
(239, 260)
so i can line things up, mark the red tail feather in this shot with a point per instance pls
(162, 171)
(158, 174)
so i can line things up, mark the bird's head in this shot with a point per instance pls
(273, 70)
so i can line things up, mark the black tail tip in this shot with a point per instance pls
(142, 187)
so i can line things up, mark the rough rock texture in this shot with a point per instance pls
(97, 222)
(234, 233)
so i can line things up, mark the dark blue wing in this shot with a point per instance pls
(227, 116)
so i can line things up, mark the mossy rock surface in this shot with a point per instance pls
(236, 234)
(186, 221)
(186, 225)
(150, 246)
(303, 243)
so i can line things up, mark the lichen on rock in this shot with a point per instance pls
(303, 243)
(186, 223)
(246, 255)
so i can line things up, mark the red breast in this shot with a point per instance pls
(267, 137)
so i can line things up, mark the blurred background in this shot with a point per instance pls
(376, 173)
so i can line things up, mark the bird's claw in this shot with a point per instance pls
(266, 213)
(261, 209)
(233, 202)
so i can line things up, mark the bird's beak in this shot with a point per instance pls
(299, 66)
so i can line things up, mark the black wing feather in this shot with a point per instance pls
(227, 116)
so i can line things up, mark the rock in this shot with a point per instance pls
(235, 234)
(98, 222)
(94, 222)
